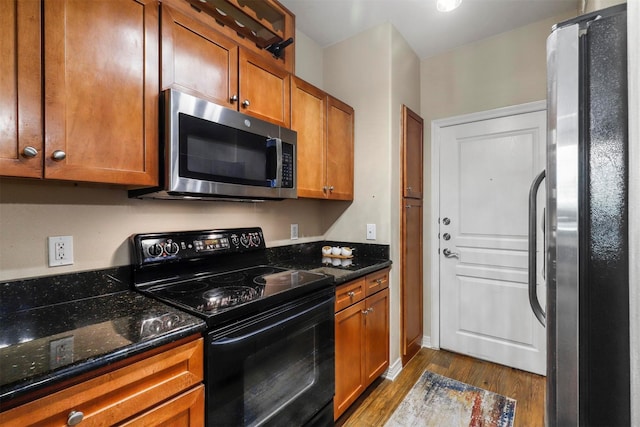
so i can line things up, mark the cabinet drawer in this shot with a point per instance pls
(377, 281)
(186, 410)
(349, 293)
(113, 397)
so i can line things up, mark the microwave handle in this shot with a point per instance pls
(277, 142)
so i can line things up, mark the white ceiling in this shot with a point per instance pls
(427, 31)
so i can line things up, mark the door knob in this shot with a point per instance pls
(449, 254)
(446, 221)
(446, 236)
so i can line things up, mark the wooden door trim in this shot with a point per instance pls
(437, 127)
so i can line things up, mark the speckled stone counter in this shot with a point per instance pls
(95, 316)
(367, 258)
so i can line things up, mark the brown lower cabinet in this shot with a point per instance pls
(162, 389)
(362, 336)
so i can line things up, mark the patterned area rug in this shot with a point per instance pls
(440, 401)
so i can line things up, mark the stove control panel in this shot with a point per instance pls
(165, 247)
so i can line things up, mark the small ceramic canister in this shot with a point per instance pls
(336, 250)
(346, 251)
(326, 250)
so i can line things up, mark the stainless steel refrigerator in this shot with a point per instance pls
(586, 223)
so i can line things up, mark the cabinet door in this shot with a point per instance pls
(377, 335)
(350, 347)
(21, 89)
(309, 119)
(101, 90)
(412, 132)
(197, 59)
(264, 89)
(339, 150)
(411, 277)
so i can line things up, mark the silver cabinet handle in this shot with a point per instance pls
(351, 294)
(74, 418)
(325, 188)
(449, 254)
(331, 188)
(408, 206)
(533, 237)
(246, 103)
(233, 99)
(58, 155)
(29, 152)
(446, 221)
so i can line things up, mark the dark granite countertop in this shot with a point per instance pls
(99, 319)
(367, 258)
(94, 316)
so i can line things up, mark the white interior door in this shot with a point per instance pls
(486, 170)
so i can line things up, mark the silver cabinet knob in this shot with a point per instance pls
(325, 188)
(234, 98)
(58, 155)
(409, 188)
(446, 221)
(245, 103)
(74, 418)
(331, 188)
(449, 254)
(351, 294)
(446, 236)
(29, 152)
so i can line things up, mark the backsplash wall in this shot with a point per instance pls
(101, 219)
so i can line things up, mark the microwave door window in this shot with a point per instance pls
(214, 152)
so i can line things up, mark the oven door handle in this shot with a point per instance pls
(234, 340)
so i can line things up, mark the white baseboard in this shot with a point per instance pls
(393, 370)
(426, 342)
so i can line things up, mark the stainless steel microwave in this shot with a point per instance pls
(211, 152)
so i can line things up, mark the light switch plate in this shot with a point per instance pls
(371, 232)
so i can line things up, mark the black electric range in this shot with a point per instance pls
(219, 275)
(269, 347)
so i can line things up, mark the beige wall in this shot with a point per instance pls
(507, 69)
(375, 72)
(309, 60)
(101, 219)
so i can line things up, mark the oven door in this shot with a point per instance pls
(276, 368)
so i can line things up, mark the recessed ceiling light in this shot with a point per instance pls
(447, 5)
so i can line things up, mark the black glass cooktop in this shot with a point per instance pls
(217, 293)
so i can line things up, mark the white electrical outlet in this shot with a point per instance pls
(60, 250)
(294, 231)
(371, 232)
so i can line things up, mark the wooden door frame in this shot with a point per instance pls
(437, 126)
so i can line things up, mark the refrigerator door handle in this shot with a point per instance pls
(533, 238)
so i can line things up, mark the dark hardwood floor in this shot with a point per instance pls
(379, 401)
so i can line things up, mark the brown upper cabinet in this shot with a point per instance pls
(325, 143)
(199, 59)
(412, 154)
(21, 140)
(100, 91)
